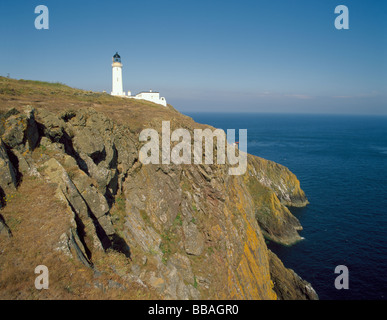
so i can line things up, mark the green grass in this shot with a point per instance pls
(195, 284)
(118, 212)
(210, 250)
(43, 83)
(120, 202)
(166, 246)
(178, 220)
(144, 216)
(169, 239)
(9, 91)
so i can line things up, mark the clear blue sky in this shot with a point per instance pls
(207, 55)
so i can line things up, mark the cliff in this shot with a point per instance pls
(76, 198)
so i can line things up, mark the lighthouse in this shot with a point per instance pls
(117, 87)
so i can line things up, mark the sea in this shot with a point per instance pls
(341, 162)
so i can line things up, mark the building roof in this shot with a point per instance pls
(116, 55)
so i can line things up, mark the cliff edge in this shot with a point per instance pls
(76, 198)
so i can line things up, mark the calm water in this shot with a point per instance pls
(341, 163)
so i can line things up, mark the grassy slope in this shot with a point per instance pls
(58, 97)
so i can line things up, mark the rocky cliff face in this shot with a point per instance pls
(182, 231)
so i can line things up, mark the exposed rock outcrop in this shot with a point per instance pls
(287, 284)
(8, 174)
(4, 229)
(190, 232)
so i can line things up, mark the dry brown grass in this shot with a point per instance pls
(37, 219)
(137, 114)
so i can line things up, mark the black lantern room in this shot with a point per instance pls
(117, 58)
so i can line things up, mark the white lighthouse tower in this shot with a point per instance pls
(117, 87)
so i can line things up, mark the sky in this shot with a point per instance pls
(276, 56)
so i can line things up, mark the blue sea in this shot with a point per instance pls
(341, 162)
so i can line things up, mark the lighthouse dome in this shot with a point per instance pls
(116, 58)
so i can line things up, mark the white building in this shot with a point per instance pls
(117, 87)
(151, 96)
